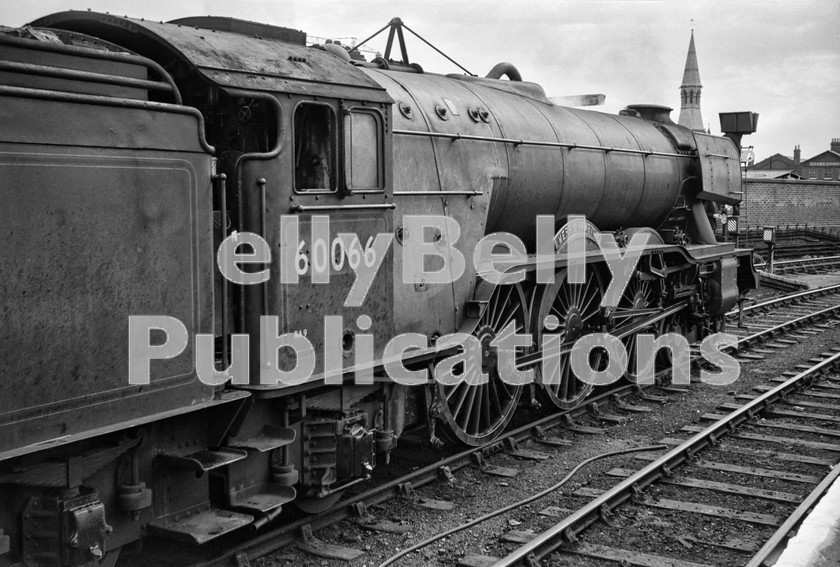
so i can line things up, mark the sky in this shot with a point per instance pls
(780, 58)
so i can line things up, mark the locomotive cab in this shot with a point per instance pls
(302, 159)
(298, 134)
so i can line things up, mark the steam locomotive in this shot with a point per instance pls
(134, 152)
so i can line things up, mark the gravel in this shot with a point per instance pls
(476, 493)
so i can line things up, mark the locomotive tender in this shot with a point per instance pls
(130, 150)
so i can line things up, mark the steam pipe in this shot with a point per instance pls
(504, 68)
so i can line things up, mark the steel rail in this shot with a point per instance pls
(284, 535)
(782, 327)
(802, 261)
(820, 263)
(821, 268)
(800, 250)
(566, 531)
(793, 520)
(808, 293)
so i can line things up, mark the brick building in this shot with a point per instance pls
(822, 167)
(774, 162)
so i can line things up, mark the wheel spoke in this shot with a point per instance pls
(504, 323)
(501, 306)
(577, 290)
(467, 413)
(585, 296)
(576, 307)
(485, 405)
(565, 378)
(474, 414)
(640, 295)
(493, 388)
(591, 306)
(465, 389)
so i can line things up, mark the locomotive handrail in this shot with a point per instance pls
(437, 193)
(219, 181)
(27, 92)
(85, 52)
(86, 76)
(261, 182)
(304, 208)
(518, 142)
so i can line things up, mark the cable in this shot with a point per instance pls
(510, 507)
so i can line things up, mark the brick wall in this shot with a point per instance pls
(790, 201)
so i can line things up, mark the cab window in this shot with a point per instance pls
(315, 138)
(363, 150)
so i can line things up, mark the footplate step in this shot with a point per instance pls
(262, 498)
(269, 439)
(203, 461)
(200, 526)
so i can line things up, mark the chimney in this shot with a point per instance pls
(796, 156)
(835, 145)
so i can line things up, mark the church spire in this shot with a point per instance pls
(690, 115)
(691, 75)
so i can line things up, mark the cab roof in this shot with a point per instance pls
(229, 59)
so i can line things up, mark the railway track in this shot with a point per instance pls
(819, 265)
(356, 508)
(780, 315)
(791, 236)
(799, 310)
(745, 481)
(793, 251)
